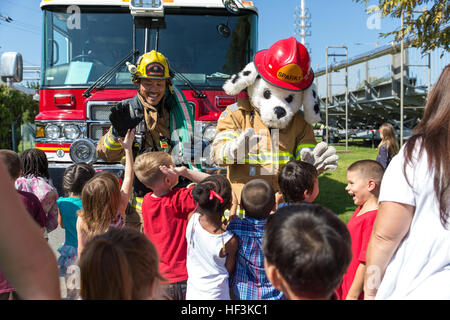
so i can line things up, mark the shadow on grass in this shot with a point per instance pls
(332, 195)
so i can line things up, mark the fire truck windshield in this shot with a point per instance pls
(205, 47)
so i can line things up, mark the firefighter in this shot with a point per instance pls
(257, 135)
(161, 117)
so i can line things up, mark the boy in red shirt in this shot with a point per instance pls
(363, 185)
(165, 212)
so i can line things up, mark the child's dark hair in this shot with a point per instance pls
(295, 178)
(11, 161)
(120, 264)
(203, 193)
(34, 163)
(258, 198)
(310, 246)
(76, 176)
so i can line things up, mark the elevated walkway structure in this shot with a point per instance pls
(366, 102)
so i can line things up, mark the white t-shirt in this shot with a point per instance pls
(420, 268)
(207, 275)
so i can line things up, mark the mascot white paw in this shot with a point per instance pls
(323, 157)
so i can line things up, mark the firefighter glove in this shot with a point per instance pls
(122, 120)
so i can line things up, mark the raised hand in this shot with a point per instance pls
(127, 142)
(323, 157)
(237, 146)
(121, 119)
(173, 171)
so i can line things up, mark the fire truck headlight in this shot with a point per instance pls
(71, 131)
(52, 131)
(209, 132)
(83, 150)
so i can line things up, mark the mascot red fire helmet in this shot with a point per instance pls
(285, 64)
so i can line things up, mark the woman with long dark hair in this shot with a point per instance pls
(409, 251)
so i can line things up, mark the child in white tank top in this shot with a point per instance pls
(211, 248)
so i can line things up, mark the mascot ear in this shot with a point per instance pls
(241, 80)
(311, 108)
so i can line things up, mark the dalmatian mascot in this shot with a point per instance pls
(257, 135)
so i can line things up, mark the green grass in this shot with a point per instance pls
(332, 184)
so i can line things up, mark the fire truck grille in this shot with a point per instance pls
(96, 131)
(100, 112)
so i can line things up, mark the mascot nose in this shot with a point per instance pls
(280, 112)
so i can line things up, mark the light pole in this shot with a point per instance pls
(401, 83)
(302, 23)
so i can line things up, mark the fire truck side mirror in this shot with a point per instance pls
(11, 67)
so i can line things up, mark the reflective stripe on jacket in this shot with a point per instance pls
(266, 157)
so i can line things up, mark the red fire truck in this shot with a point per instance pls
(85, 47)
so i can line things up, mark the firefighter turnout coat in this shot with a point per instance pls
(157, 131)
(157, 123)
(264, 156)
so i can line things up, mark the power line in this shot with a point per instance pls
(8, 19)
(20, 28)
(26, 25)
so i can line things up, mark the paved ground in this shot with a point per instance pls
(56, 239)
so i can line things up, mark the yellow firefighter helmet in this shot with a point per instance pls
(153, 65)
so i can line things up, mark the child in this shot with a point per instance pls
(388, 146)
(121, 264)
(75, 177)
(298, 182)
(36, 179)
(11, 161)
(165, 212)
(249, 281)
(26, 258)
(307, 250)
(364, 179)
(104, 201)
(211, 252)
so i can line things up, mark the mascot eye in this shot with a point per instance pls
(289, 98)
(267, 94)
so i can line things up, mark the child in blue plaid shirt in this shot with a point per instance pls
(249, 281)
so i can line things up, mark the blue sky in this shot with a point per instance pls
(332, 23)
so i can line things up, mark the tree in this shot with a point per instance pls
(428, 28)
(14, 106)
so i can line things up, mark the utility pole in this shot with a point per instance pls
(401, 82)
